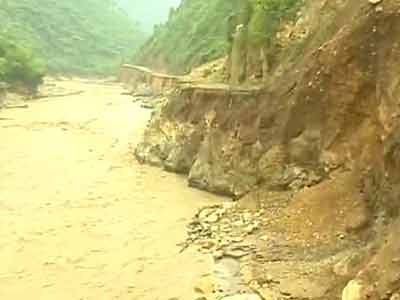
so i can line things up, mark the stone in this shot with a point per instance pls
(206, 212)
(347, 265)
(298, 286)
(270, 167)
(236, 253)
(213, 218)
(207, 244)
(270, 294)
(374, 2)
(396, 260)
(353, 290)
(243, 297)
(237, 239)
(218, 254)
(205, 285)
(143, 90)
(395, 296)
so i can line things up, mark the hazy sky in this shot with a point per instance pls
(148, 12)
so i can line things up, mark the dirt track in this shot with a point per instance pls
(79, 217)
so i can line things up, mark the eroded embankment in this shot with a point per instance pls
(318, 150)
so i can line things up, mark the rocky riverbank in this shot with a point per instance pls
(314, 154)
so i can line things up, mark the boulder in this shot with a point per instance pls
(353, 290)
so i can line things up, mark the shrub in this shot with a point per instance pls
(267, 17)
(18, 66)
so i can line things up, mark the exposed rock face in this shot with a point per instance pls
(334, 111)
(189, 137)
(325, 133)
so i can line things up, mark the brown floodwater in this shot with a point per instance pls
(79, 217)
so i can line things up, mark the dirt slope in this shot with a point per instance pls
(320, 140)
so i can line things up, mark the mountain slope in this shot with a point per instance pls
(143, 11)
(195, 33)
(313, 148)
(84, 37)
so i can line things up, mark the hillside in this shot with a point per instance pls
(306, 137)
(148, 12)
(194, 34)
(198, 32)
(81, 37)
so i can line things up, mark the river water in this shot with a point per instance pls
(80, 219)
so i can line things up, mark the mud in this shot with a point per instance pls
(80, 218)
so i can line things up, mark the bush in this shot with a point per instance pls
(197, 33)
(18, 66)
(267, 17)
(86, 38)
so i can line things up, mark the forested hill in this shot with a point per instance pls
(148, 12)
(195, 33)
(74, 36)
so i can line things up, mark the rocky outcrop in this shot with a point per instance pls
(332, 110)
(188, 137)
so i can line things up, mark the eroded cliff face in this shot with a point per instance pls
(322, 134)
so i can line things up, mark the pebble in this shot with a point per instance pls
(243, 297)
(395, 296)
(205, 285)
(237, 239)
(212, 218)
(207, 244)
(396, 260)
(237, 253)
(218, 254)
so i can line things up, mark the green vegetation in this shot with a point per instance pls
(194, 34)
(201, 30)
(18, 66)
(148, 12)
(267, 16)
(86, 37)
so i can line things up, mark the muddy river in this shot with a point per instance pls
(80, 218)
